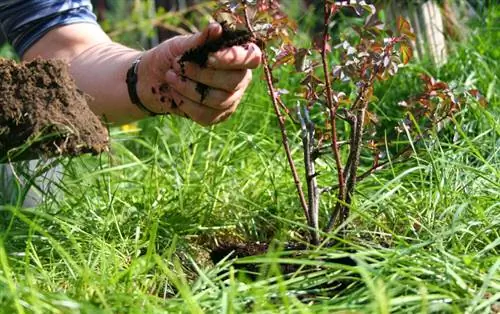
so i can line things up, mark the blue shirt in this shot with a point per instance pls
(26, 21)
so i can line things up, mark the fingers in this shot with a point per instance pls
(201, 114)
(226, 80)
(247, 56)
(181, 44)
(203, 94)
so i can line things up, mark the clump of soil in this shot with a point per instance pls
(229, 37)
(43, 114)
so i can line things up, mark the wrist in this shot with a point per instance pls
(132, 87)
(150, 87)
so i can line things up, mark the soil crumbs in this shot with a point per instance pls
(40, 106)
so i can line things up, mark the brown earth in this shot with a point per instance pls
(43, 114)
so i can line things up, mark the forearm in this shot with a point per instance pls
(97, 64)
(100, 67)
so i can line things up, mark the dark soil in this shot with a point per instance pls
(203, 90)
(43, 114)
(252, 270)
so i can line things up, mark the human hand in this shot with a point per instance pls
(206, 95)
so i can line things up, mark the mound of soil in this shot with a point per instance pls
(43, 114)
(229, 37)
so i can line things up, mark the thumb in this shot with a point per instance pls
(185, 43)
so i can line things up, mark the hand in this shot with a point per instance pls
(206, 95)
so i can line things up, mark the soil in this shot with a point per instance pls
(203, 90)
(43, 114)
(252, 270)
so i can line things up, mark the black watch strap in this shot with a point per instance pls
(132, 87)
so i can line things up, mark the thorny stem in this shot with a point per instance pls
(281, 121)
(333, 113)
(284, 136)
(356, 146)
(313, 195)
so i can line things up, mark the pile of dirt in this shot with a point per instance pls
(43, 114)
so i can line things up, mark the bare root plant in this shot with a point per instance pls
(333, 106)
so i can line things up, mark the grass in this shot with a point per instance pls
(128, 232)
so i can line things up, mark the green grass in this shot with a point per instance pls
(128, 233)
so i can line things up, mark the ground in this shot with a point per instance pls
(133, 229)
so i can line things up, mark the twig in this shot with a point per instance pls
(282, 105)
(307, 135)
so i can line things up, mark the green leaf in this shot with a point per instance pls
(406, 52)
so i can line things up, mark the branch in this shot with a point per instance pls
(307, 135)
(329, 95)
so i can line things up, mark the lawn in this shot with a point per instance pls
(131, 231)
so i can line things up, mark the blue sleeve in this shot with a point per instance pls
(26, 21)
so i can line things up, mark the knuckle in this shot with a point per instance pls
(226, 101)
(243, 82)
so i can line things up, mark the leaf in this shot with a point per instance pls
(301, 61)
(311, 79)
(285, 55)
(406, 52)
(371, 118)
(439, 86)
(373, 21)
(478, 97)
(404, 28)
(358, 9)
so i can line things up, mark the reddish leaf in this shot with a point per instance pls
(301, 62)
(439, 86)
(479, 97)
(404, 28)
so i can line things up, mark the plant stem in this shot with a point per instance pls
(313, 195)
(284, 136)
(333, 107)
(356, 146)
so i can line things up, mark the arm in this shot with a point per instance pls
(99, 67)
